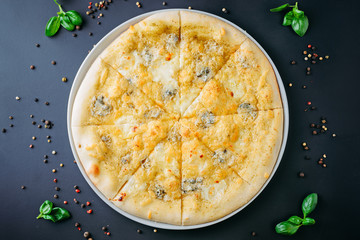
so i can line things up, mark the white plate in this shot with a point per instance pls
(95, 52)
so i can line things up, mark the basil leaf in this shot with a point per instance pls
(60, 214)
(288, 19)
(300, 25)
(286, 228)
(66, 23)
(280, 8)
(309, 204)
(295, 220)
(46, 207)
(49, 217)
(74, 17)
(52, 26)
(308, 221)
(297, 13)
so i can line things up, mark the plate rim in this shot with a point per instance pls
(96, 51)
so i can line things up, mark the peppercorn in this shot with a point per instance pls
(104, 228)
(39, 126)
(47, 103)
(313, 108)
(31, 146)
(314, 132)
(45, 161)
(224, 10)
(86, 234)
(65, 202)
(304, 86)
(17, 98)
(164, 3)
(77, 27)
(139, 231)
(53, 152)
(76, 201)
(11, 117)
(57, 189)
(76, 187)
(54, 170)
(11, 125)
(253, 234)
(77, 224)
(312, 125)
(37, 45)
(301, 174)
(64, 79)
(90, 33)
(56, 196)
(77, 190)
(46, 156)
(33, 138)
(89, 211)
(321, 58)
(290, 84)
(333, 135)
(36, 99)
(82, 205)
(293, 62)
(53, 62)
(3, 130)
(98, 23)
(88, 203)
(308, 69)
(55, 180)
(313, 48)
(61, 165)
(307, 157)
(32, 67)
(74, 35)
(304, 52)
(155, 230)
(23, 187)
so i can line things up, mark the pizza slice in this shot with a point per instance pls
(249, 79)
(206, 45)
(247, 142)
(210, 189)
(147, 55)
(246, 83)
(153, 192)
(105, 97)
(110, 158)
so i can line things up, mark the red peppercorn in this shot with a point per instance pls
(79, 228)
(77, 190)
(89, 7)
(90, 3)
(89, 211)
(308, 103)
(65, 202)
(88, 203)
(55, 180)
(108, 233)
(309, 46)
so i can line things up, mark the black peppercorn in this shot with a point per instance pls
(77, 224)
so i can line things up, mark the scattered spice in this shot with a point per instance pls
(57, 189)
(301, 174)
(164, 3)
(53, 152)
(65, 202)
(86, 234)
(224, 10)
(74, 35)
(32, 67)
(104, 228)
(54, 170)
(139, 231)
(53, 62)
(89, 211)
(37, 45)
(82, 205)
(17, 98)
(77, 190)
(253, 234)
(23, 187)
(155, 230)
(56, 196)
(64, 79)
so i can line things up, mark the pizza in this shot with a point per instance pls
(179, 120)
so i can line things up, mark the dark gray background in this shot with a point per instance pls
(333, 88)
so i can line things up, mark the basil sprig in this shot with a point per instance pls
(54, 214)
(290, 226)
(295, 17)
(68, 20)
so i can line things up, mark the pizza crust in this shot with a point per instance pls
(168, 140)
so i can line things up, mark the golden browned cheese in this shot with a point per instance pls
(179, 120)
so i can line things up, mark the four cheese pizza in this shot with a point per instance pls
(179, 120)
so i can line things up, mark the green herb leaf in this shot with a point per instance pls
(295, 220)
(308, 221)
(297, 13)
(52, 26)
(60, 213)
(280, 8)
(74, 17)
(288, 19)
(46, 207)
(286, 228)
(300, 25)
(309, 203)
(49, 217)
(66, 23)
